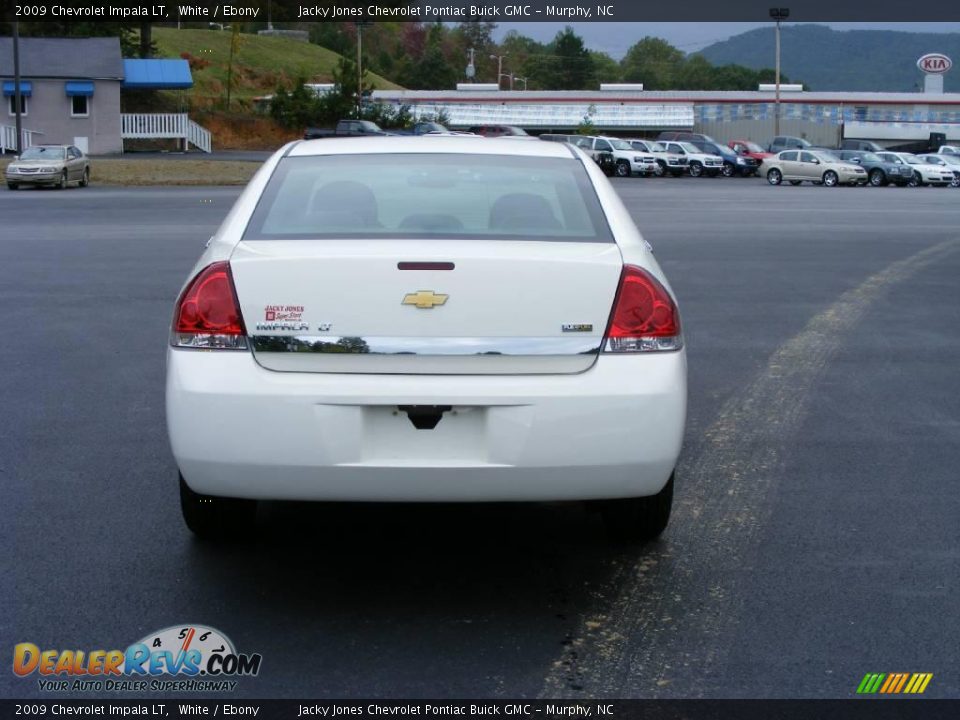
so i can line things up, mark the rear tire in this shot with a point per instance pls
(623, 168)
(216, 518)
(774, 176)
(636, 520)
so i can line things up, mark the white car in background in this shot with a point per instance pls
(698, 162)
(384, 319)
(945, 161)
(924, 172)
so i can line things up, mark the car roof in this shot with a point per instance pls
(452, 144)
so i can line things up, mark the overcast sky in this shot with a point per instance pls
(616, 38)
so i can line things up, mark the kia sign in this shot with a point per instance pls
(934, 63)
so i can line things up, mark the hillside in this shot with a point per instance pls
(826, 59)
(260, 64)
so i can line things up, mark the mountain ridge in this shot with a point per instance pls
(854, 60)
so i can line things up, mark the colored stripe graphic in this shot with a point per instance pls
(894, 683)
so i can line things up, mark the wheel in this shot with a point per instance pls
(12, 186)
(915, 180)
(62, 185)
(775, 177)
(795, 182)
(728, 170)
(638, 519)
(955, 182)
(830, 178)
(696, 169)
(661, 169)
(877, 177)
(623, 168)
(216, 518)
(85, 180)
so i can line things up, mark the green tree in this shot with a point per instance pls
(605, 68)
(573, 66)
(653, 62)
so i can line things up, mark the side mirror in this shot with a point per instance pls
(856, 159)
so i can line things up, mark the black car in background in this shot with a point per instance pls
(879, 171)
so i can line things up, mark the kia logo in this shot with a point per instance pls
(934, 63)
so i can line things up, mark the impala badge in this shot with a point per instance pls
(424, 299)
(577, 327)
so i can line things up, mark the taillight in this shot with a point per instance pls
(644, 317)
(208, 314)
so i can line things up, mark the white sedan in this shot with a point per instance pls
(465, 319)
(924, 172)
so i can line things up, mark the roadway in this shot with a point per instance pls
(815, 534)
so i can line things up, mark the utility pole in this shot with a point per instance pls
(499, 59)
(778, 14)
(361, 24)
(17, 96)
(471, 67)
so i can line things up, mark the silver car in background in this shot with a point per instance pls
(54, 165)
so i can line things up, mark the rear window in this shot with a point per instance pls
(450, 196)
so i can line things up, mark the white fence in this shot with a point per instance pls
(160, 126)
(8, 138)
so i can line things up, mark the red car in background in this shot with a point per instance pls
(749, 149)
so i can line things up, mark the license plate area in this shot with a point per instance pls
(424, 433)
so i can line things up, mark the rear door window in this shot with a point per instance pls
(416, 195)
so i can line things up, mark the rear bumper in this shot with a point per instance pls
(239, 430)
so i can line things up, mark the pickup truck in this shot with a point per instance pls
(346, 128)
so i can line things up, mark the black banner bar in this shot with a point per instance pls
(561, 11)
(854, 709)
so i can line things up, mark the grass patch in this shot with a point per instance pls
(175, 171)
(261, 63)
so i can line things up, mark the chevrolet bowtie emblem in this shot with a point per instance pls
(424, 299)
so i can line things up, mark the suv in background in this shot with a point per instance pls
(861, 145)
(699, 161)
(626, 160)
(604, 158)
(667, 162)
(497, 130)
(949, 150)
(683, 136)
(787, 142)
(733, 164)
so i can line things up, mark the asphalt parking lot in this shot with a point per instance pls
(815, 535)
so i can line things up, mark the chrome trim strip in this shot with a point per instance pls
(511, 346)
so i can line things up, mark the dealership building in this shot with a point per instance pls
(823, 118)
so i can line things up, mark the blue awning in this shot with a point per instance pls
(79, 87)
(26, 87)
(156, 75)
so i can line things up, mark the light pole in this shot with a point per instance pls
(17, 95)
(499, 59)
(523, 80)
(778, 14)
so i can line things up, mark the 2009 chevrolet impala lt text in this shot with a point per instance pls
(427, 319)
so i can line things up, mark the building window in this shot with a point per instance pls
(79, 106)
(12, 106)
